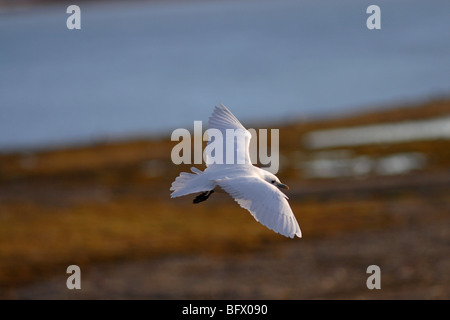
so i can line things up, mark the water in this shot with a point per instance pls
(405, 131)
(147, 68)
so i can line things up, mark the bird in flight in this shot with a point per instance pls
(253, 188)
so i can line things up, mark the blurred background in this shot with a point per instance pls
(85, 169)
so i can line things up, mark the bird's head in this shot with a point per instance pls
(273, 179)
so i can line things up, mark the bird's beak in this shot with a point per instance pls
(283, 186)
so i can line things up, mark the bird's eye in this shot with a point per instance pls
(273, 181)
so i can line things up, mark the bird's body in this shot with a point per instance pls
(253, 188)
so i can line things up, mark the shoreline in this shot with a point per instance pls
(407, 111)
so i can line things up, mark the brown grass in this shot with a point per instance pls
(37, 240)
(107, 202)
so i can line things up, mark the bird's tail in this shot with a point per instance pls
(187, 183)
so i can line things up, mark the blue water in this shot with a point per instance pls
(145, 68)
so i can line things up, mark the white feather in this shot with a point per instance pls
(267, 204)
(222, 119)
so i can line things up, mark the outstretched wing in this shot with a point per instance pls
(266, 203)
(237, 138)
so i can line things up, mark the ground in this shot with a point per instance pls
(107, 209)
